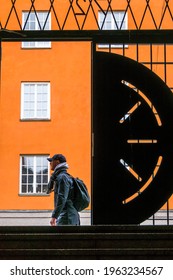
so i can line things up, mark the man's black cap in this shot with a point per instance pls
(59, 157)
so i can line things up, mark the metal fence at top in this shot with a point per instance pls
(83, 14)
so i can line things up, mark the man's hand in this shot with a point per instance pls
(53, 222)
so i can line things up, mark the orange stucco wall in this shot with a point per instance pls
(67, 67)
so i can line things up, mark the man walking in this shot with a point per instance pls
(61, 183)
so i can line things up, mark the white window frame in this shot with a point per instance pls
(35, 101)
(35, 44)
(110, 15)
(34, 184)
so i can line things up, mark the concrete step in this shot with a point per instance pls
(87, 242)
(87, 254)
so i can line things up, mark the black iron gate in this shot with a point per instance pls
(132, 123)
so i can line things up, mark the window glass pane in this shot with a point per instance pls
(30, 179)
(41, 19)
(43, 114)
(27, 26)
(107, 23)
(40, 88)
(29, 105)
(24, 161)
(26, 106)
(25, 15)
(38, 178)
(24, 179)
(44, 106)
(32, 26)
(26, 44)
(44, 20)
(32, 44)
(32, 16)
(24, 170)
(29, 114)
(30, 188)
(26, 94)
(46, 27)
(39, 97)
(45, 178)
(44, 188)
(32, 88)
(39, 114)
(39, 161)
(121, 20)
(24, 188)
(30, 161)
(38, 190)
(45, 89)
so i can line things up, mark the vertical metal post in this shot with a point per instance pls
(93, 50)
(165, 64)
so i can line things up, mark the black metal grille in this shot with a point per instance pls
(153, 14)
(154, 62)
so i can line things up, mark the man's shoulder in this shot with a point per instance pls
(63, 175)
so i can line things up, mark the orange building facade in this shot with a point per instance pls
(46, 93)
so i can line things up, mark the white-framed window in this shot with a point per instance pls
(34, 174)
(36, 21)
(35, 101)
(112, 20)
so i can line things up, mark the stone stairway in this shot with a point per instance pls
(86, 242)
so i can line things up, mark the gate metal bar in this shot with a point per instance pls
(102, 36)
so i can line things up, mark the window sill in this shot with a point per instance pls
(36, 48)
(33, 194)
(35, 120)
(112, 46)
